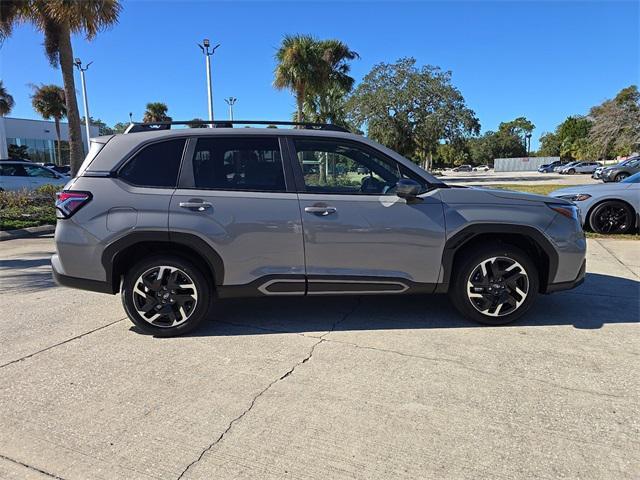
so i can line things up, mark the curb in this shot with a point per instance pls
(26, 232)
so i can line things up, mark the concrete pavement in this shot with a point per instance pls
(369, 387)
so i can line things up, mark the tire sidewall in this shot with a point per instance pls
(464, 268)
(202, 285)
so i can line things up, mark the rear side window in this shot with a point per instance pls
(155, 166)
(12, 171)
(252, 164)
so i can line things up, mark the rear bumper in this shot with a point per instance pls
(558, 287)
(79, 283)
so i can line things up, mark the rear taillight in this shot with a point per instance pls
(69, 202)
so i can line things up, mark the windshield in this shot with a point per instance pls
(632, 179)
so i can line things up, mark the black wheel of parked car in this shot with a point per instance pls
(571, 171)
(611, 216)
(494, 285)
(166, 295)
(621, 176)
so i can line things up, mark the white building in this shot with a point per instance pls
(39, 136)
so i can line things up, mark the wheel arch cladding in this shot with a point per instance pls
(119, 255)
(529, 239)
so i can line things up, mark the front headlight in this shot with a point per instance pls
(576, 197)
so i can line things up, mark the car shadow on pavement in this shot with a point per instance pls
(602, 299)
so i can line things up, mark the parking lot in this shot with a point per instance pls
(368, 387)
(523, 178)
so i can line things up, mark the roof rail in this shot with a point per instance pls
(154, 126)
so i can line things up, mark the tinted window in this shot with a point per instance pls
(12, 170)
(333, 167)
(155, 166)
(238, 164)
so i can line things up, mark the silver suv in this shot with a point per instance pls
(175, 219)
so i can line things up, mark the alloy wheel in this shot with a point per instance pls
(498, 286)
(612, 218)
(165, 296)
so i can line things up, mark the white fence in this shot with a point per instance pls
(521, 164)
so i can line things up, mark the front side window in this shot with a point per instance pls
(329, 166)
(156, 165)
(33, 171)
(248, 164)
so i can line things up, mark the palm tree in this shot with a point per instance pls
(49, 102)
(57, 20)
(156, 112)
(6, 101)
(310, 67)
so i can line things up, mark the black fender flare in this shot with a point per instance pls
(201, 247)
(468, 233)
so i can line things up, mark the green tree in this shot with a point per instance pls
(616, 124)
(120, 127)
(410, 109)
(505, 143)
(6, 101)
(520, 127)
(49, 102)
(197, 123)
(58, 20)
(549, 145)
(103, 128)
(311, 68)
(156, 112)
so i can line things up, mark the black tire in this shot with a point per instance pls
(621, 176)
(470, 264)
(172, 305)
(571, 172)
(611, 216)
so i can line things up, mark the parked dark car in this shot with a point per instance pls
(623, 170)
(548, 167)
(463, 168)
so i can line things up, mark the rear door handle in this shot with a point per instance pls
(198, 206)
(321, 211)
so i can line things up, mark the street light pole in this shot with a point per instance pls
(231, 102)
(82, 69)
(208, 52)
(528, 143)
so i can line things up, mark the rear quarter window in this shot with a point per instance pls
(156, 165)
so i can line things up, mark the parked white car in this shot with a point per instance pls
(20, 174)
(566, 165)
(580, 167)
(606, 207)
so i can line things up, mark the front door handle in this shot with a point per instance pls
(198, 206)
(321, 211)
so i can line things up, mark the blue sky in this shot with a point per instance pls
(544, 60)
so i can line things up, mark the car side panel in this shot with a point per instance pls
(116, 210)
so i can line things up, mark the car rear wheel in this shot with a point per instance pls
(621, 176)
(571, 171)
(494, 285)
(611, 217)
(166, 296)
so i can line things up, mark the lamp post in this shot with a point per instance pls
(528, 142)
(208, 52)
(82, 69)
(231, 102)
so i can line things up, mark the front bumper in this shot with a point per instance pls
(559, 287)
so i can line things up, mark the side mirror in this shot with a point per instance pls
(407, 188)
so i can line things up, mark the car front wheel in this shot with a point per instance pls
(166, 296)
(611, 217)
(621, 176)
(495, 285)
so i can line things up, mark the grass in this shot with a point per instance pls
(546, 189)
(24, 208)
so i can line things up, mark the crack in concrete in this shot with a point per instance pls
(288, 373)
(616, 258)
(30, 467)
(458, 363)
(61, 343)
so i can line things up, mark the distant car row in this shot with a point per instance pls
(470, 168)
(615, 173)
(22, 174)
